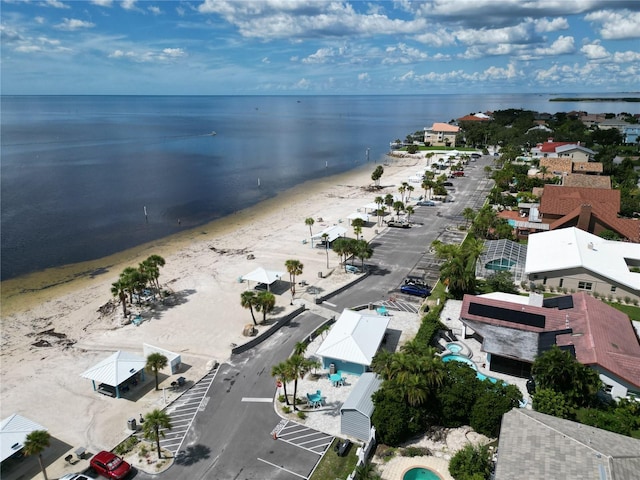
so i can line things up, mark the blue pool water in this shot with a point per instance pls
(454, 347)
(511, 222)
(420, 474)
(460, 358)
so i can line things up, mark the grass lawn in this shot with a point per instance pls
(332, 466)
(632, 311)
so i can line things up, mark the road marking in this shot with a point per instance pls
(282, 468)
(257, 399)
(330, 304)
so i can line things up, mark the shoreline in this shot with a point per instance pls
(43, 285)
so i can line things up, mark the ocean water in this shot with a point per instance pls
(77, 172)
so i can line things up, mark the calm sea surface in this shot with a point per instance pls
(78, 172)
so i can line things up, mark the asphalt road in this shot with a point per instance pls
(399, 252)
(231, 435)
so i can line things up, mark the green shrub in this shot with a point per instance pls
(416, 452)
(302, 415)
(126, 446)
(282, 398)
(473, 462)
(286, 409)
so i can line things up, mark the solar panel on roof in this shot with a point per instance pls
(546, 340)
(561, 303)
(513, 316)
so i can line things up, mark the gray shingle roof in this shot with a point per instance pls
(538, 446)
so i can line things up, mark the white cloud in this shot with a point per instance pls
(56, 4)
(616, 25)
(322, 55)
(594, 51)
(438, 38)
(102, 3)
(402, 53)
(626, 57)
(180, 11)
(363, 77)
(265, 60)
(521, 33)
(562, 46)
(303, 84)
(129, 4)
(40, 20)
(155, 10)
(544, 25)
(71, 24)
(164, 55)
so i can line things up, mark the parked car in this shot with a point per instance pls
(475, 155)
(398, 223)
(416, 281)
(447, 184)
(426, 203)
(458, 173)
(110, 465)
(77, 476)
(351, 269)
(415, 290)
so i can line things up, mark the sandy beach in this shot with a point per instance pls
(59, 310)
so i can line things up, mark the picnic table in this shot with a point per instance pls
(337, 379)
(314, 400)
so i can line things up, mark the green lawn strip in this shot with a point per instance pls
(332, 466)
(632, 311)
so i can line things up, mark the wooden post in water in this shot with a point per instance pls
(146, 219)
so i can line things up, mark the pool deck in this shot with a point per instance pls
(395, 468)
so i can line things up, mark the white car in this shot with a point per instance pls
(77, 476)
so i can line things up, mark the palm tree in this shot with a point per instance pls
(340, 247)
(403, 188)
(282, 373)
(388, 200)
(155, 362)
(265, 301)
(357, 224)
(294, 267)
(151, 268)
(357, 230)
(299, 367)
(543, 170)
(310, 221)
(469, 214)
(367, 471)
(377, 175)
(381, 363)
(363, 250)
(409, 211)
(35, 444)
(378, 201)
(154, 423)
(300, 348)
(118, 289)
(248, 300)
(397, 206)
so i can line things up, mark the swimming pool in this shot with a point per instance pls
(454, 347)
(420, 473)
(460, 358)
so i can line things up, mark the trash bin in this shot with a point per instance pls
(371, 306)
(332, 369)
(131, 424)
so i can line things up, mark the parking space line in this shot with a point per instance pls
(282, 468)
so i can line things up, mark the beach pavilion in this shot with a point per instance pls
(360, 215)
(13, 433)
(116, 372)
(261, 275)
(332, 233)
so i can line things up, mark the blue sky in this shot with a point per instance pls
(218, 47)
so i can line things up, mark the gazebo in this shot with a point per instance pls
(360, 215)
(13, 433)
(261, 275)
(331, 233)
(115, 372)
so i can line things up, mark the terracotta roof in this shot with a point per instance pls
(560, 200)
(557, 165)
(595, 167)
(625, 227)
(601, 335)
(550, 147)
(587, 181)
(473, 118)
(444, 127)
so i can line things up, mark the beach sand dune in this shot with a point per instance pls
(51, 335)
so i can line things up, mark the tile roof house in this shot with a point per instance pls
(599, 336)
(591, 209)
(571, 150)
(586, 181)
(536, 446)
(441, 134)
(476, 117)
(574, 259)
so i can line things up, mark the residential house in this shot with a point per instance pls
(586, 181)
(631, 134)
(352, 342)
(475, 117)
(591, 209)
(441, 134)
(576, 260)
(536, 446)
(571, 150)
(514, 330)
(592, 119)
(617, 122)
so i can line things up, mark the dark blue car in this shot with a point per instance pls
(416, 290)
